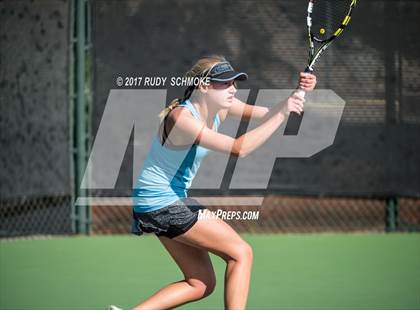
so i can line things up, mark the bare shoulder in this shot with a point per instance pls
(178, 116)
(182, 127)
(179, 113)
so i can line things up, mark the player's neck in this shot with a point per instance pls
(206, 113)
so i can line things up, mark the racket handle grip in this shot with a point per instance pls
(294, 120)
(300, 92)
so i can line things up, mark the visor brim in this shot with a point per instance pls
(229, 76)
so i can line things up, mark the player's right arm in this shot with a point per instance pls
(187, 130)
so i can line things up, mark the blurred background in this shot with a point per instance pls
(338, 230)
(60, 59)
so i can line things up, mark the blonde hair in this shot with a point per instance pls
(202, 66)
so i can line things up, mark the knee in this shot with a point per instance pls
(243, 253)
(202, 287)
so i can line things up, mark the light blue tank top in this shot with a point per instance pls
(167, 172)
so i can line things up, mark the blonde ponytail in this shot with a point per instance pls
(174, 103)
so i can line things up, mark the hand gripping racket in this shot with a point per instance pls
(326, 21)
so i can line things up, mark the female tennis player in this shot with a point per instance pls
(188, 131)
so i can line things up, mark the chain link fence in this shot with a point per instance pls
(291, 214)
(35, 118)
(24, 216)
(373, 67)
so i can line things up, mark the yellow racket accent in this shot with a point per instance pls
(338, 32)
(346, 20)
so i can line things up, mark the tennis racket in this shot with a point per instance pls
(326, 21)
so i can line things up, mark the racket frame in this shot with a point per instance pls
(314, 56)
(295, 119)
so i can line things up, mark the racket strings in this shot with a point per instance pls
(327, 17)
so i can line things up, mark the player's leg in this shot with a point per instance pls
(199, 279)
(219, 238)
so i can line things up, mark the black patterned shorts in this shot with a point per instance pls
(169, 221)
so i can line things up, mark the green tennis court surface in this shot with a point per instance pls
(290, 272)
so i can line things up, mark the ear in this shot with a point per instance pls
(204, 88)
